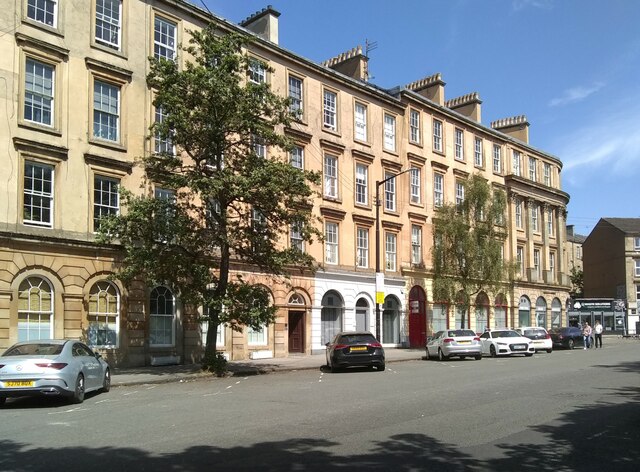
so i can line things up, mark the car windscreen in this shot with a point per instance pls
(34, 349)
(505, 334)
(535, 333)
(357, 339)
(461, 332)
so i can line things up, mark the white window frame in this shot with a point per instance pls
(105, 206)
(390, 251)
(517, 163)
(389, 141)
(43, 11)
(157, 317)
(637, 267)
(547, 174)
(331, 242)
(552, 264)
(362, 247)
(39, 92)
(35, 190)
(259, 146)
(330, 110)
(360, 121)
(497, 159)
(437, 135)
(520, 259)
(389, 193)
(536, 262)
(165, 39)
(414, 126)
(478, 160)
(438, 189)
(636, 243)
(330, 176)
(295, 237)
(518, 212)
(415, 192)
(257, 337)
(533, 173)
(550, 222)
(35, 315)
(459, 193)
(362, 184)
(296, 95)
(416, 244)
(257, 71)
(109, 23)
(534, 217)
(459, 144)
(296, 157)
(162, 145)
(103, 320)
(106, 110)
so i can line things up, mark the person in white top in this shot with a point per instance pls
(598, 330)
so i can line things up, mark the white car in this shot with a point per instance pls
(506, 342)
(540, 339)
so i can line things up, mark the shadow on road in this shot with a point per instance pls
(602, 437)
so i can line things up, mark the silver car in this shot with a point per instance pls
(454, 343)
(52, 367)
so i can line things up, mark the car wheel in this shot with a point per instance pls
(549, 351)
(78, 393)
(463, 358)
(333, 368)
(106, 382)
(2, 400)
(381, 367)
(571, 344)
(478, 357)
(441, 355)
(492, 351)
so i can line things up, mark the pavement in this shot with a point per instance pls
(183, 373)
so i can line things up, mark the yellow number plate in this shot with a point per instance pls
(19, 383)
(358, 348)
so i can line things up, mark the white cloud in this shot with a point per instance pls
(609, 147)
(575, 94)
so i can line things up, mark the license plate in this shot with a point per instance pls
(464, 342)
(519, 347)
(358, 348)
(19, 383)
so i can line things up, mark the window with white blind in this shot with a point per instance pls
(389, 132)
(360, 121)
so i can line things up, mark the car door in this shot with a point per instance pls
(485, 339)
(91, 368)
(432, 344)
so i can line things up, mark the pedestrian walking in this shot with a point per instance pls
(598, 330)
(586, 334)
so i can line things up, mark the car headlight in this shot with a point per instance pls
(501, 344)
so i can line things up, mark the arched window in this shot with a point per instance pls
(500, 312)
(556, 313)
(162, 317)
(524, 311)
(331, 316)
(439, 318)
(482, 312)
(391, 321)
(462, 311)
(35, 309)
(104, 306)
(296, 299)
(541, 312)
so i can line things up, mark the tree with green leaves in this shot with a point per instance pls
(577, 282)
(223, 206)
(468, 242)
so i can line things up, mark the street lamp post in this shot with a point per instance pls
(379, 274)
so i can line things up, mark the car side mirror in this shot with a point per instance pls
(429, 338)
(327, 344)
(98, 355)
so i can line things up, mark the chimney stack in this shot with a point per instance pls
(467, 105)
(264, 24)
(430, 87)
(516, 126)
(351, 63)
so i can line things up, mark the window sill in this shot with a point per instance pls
(116, 146)
(40, 128)
(110, 50)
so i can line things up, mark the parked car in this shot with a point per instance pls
(454, 343)
(354, 348)
(53, 368)
(540, 338)
(567, 337)
(506, 342)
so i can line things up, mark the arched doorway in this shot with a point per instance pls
(391, 321)
(556, 313)
(524, 311)
(331, 315)
(362, 315)
(417, 317)
(500, 312)
(541, 312)
(482, 312)
(296, 332)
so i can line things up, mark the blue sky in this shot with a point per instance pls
(571, 66)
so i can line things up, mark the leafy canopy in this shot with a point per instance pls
(468, 242)
(223, 205)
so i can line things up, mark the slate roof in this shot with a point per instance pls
(626, 225)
